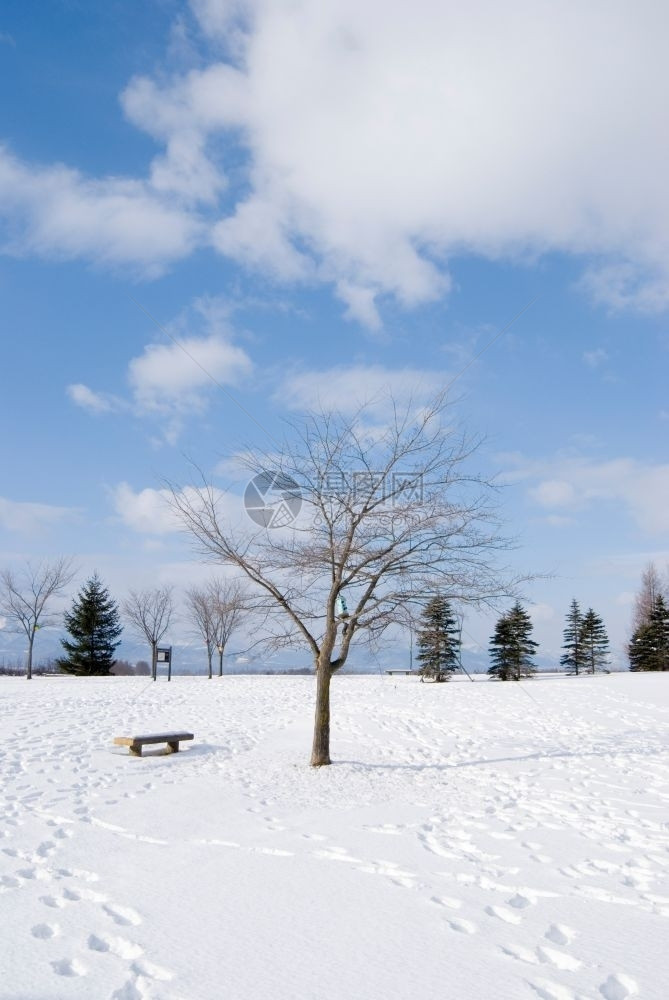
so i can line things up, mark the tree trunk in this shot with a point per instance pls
(220, 661)
(154, 660)
(29, 665)
(320, 753)
(210, 674)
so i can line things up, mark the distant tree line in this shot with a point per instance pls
(94, 622)
(512, 649)
(216, 609)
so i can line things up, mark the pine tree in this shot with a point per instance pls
(93, 623)
(594, 642)
(438, 640)
(573, 657)
(511, 648)
(500, 649)
(640, 649)
(649, 648)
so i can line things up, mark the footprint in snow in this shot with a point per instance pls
(520, 900)
(69, 967)
(34, 873)
(558, 959)
(452, 904)
(503, 914)
(559, 934)
(81, 873)
(55, 902)
(462, 926)
(619, 987)
(337, 854)
(123, 915)
(522, 954)
(115, 945)
(548, 990)
(44, 932)
(151, 970)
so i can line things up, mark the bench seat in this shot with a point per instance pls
(135, 743)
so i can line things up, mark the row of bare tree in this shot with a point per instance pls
(215, 610)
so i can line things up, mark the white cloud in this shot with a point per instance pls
(94, 402)
(361, 304)
(642, 283)
(27, 518)
(576, 482)
(149, 511)
(595, 358)
(379, 140)
(184, 115)
(386, 138)
(256, 235)
(347, 388)
(217, 16)
(173, 380)
(554, 493)
(55, 211)
(172, 375)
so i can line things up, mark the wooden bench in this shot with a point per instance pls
(135, 743)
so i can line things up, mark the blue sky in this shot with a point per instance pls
(320, 201)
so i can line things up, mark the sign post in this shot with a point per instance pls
(164, 655)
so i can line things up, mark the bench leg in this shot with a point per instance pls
(135, 751)
(173, 747)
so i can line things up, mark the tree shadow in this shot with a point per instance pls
(615, 750)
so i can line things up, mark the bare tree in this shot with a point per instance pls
(149, 613)
(25, 597)
(216, 610)
(200, 612)
(388, 516)
(646, 599)
(229, 605)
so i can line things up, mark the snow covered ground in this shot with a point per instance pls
(470, 841)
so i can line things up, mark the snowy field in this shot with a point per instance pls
(470, 841)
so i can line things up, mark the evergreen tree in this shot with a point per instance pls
(649, 648)
(594, 642)
(573, 657)
(94, 627)
(640, 649)
(500, 649)
(438, 640)
(511, 648)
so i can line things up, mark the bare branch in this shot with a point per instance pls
(149, 614)
(25, 598)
